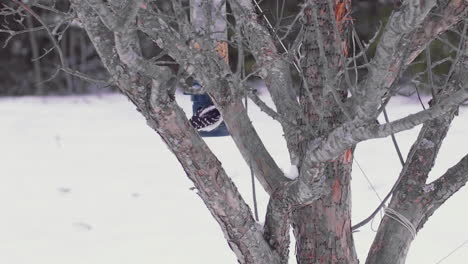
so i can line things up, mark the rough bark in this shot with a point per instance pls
(201, 166)
(409, 30)
(274, 69)
(415, 200)
(225, 94)
(321, 129)
(443, 17)
(323, 228)
(392, 49)
(293, 196)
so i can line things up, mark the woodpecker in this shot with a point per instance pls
(206, 118)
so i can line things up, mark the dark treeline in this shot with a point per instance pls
(30, 66)
(28, 63)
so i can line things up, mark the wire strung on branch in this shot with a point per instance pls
(374, 190)
(395, 143)
(402, 220)
(382, 202)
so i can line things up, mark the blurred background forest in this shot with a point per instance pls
(30, 66)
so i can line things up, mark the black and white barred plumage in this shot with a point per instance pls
(206, 118)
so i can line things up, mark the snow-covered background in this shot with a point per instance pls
(84, 180)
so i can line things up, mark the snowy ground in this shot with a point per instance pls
(83, 180)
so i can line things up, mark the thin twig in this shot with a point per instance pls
(395, 143)
(51, 36)
(84, 76)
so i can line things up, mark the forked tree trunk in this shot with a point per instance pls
(320, 199)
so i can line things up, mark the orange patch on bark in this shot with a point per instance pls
(340, 11)
(336, 191)
(221, 47)
(341, 16)
(345, 48)
(348, 156)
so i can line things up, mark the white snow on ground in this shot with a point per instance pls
(83, 180)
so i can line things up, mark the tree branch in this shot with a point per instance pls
(390, 55)
(221, 84)
(399, 48)
(162, 114)
(277, 75)
(440, 20)
(412, 199)
(448, 184)
(127, 46)
(351, 133)
(49, 33)
(273, 114)
(115, 21)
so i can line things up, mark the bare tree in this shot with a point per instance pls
(343, 90)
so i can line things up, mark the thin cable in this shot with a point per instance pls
(373, 189)
(382, 203)
(252, 175)
(451, 252)
(241, 70)
(367, 178)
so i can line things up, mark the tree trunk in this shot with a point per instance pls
(323, 229)
(318, 202)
